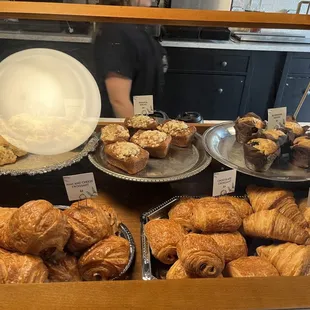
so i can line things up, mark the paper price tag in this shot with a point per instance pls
(80, 186)
(143, 105)
(224, 182)
(276, 117)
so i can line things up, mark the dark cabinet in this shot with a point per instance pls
(293, 91)
(214, 96)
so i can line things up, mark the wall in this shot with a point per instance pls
(272, 5)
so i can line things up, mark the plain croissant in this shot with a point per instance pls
(263, 198)
(305, 209)
(288, 207)
(271, 224)
(242, 207)
(5, 216)
(200, 256)
(290, 259)
(163, 236)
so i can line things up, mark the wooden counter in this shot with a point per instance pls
(130, 200)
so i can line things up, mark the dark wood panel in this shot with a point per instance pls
(300, 66)
(204, 60)
(214, 96)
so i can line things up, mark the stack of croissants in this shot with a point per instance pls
(40, 243)
(207, 237)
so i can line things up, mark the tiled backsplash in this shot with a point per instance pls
(272, 5)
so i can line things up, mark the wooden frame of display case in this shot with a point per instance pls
(258, 293)
(102, 13)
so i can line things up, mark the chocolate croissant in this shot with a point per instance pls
(271, 224)
(105, 260)
(200, 256)
(242, 207)
(163, 236)
(215, 216)
(263, 198)
(90, 223)
(290, 259)
(5, 217)
(63, 270)
(233, 245)
(37, 227)
(177, 272)
(21, 268)
(182, 213)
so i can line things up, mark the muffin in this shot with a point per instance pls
(301, 152)
(293, 129)
(126, 156)
(6, 156)
(140, 122)
(247, 127)
(17, 152)
(259, 154)
(275, 135)
(114, 133)
(182, 134)
(157, 143)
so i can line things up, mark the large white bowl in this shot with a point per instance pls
(49, 102)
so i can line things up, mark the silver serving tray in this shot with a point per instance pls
(220, 142)
(38, 164)
(181, 163)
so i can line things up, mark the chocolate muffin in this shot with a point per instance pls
(259, 154)
(247, 127)
(301, 152)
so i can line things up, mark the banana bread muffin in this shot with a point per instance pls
(140, 122)
(114, 133)
(182, 134)
(157, 143)
(126, 156)
(301, 152)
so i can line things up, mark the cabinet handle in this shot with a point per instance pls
(220, 90)
(224, 64)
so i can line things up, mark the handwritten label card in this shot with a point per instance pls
(80, 186)
(224, 182)
(276, 117)
(143, 105)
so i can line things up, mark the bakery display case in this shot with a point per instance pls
(150, 232)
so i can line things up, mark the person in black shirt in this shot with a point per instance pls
(128, 63)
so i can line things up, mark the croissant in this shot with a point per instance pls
(177, 272)
(262, 198)
(5, 216)
(105, 260)
(303, 207)
(215, 216)
(271, 224)
(250, 266)
(290, 259)
(163, 236)
(200, 256)
(90, 223)
(37, 227)
(242, 207)
(233, 245)
(63, 270)
(182, 213)
(288, 207)
(20, 268)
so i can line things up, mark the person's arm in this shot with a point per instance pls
(118, 88)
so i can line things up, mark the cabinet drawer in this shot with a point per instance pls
(202, 60)
(214, 96)
(300, 66)
(294, 90)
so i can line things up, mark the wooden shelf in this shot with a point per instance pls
(100, 13)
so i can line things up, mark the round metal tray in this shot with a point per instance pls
(181, 163)
(220, 142)
(38, 164)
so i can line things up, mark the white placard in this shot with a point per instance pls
(143, 105)
(80, 186)
(276, 117)
(224, 182)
